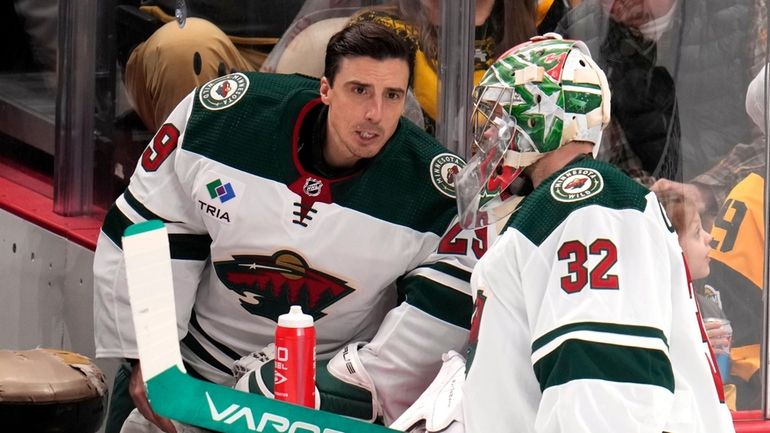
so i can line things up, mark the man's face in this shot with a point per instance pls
(635, 13)
(364, 107)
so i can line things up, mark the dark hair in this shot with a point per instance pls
(510, 23)
(366, 39)
(513, 22)
(681, 210)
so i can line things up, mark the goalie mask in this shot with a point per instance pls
(534, 99)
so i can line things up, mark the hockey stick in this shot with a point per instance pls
(171, 391)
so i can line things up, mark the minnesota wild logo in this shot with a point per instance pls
(268, 285)
(443, 171)
(577, 184)
(223, 92)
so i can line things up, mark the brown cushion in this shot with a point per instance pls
(45, 390)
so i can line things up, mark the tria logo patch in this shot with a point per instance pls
(213, 211)
(577, 184)
(222, 191)
(223, 92)
(268, 285)
(443, 170)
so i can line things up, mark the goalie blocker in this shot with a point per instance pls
(342, 384)
(204, 404)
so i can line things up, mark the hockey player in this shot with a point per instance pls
(585, 318)
(276, 194)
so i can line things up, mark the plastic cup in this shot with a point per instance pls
(720, 337)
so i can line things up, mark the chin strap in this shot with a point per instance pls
(516, 159)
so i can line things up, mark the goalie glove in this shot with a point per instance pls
(439, 408)
(255, 373)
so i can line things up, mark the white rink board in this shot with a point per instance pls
(46, 292)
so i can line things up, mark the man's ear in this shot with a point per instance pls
(324, 90)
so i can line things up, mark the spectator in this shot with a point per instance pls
(660, 56)
(737, 264)
(550, 12)
(737, 255)
(276, 193)
(709, 189)
(695, 242)
(696, 245)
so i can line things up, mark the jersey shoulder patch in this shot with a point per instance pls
(223, 92)
(578, 185)
(443, 170)
(575, 184)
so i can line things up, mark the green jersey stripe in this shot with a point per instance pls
(115, 223)
(448, 269)
(194, 324)
(611, 328)
(140, 208)
(189, 247)
(579, 359)
(183, 246)
(195, 347)
(440, 301)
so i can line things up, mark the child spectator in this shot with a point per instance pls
(696, 245)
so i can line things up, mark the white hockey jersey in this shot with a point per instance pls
(585, 318)
(253, 232)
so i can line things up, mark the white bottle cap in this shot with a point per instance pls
(295, 318)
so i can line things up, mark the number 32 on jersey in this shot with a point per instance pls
(583, 272)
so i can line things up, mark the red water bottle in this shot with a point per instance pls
(295, 358)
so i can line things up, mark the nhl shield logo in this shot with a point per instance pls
(312, 187)
(443, 171)
(223, 92)
(577, 184)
